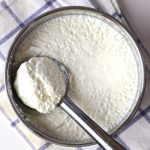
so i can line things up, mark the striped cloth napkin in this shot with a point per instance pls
(14, 15)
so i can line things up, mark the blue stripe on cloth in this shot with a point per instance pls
(19, 131)
(2, 56)
(44, 146)
(15, 122)
(10, 11)
(2, 87)
(50, 3)
(115, 14)
(115, 136)
(9, 35)
(142, 112)
(28, 20)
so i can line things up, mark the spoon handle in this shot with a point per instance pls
(97, 133)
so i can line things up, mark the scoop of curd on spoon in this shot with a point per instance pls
(42, 84)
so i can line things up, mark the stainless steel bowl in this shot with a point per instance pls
(11, 68)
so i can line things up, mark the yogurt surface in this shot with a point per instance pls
(102, 70)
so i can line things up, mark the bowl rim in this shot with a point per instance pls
(7, 80)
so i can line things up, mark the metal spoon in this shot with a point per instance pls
(96, 132)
